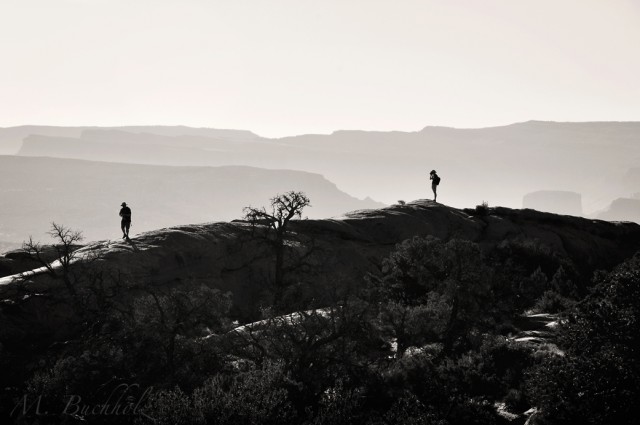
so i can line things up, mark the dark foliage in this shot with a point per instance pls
(427, 341)
(597, 381)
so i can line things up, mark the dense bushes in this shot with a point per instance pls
(256, 396)
(598, 379)
(425, 341)
(431, 291)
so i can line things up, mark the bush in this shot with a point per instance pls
(482, 209)
(432, 290)
(408, 410)
(257, 396)
(516, 401)
(597, 381)
(552, 302)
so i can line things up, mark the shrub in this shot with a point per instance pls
(483, 208)
(552, 302)
(597, 380)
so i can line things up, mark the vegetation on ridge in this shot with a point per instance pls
(432, 337)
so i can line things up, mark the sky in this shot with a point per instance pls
(288, 67)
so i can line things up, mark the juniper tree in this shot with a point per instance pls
(284, 208)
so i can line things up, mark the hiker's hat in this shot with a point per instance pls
(124, 204)
(432, 172)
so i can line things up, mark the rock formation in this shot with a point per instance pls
(622, 209)
(337, 251)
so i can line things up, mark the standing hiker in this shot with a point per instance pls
(435, 181)
(125, 224)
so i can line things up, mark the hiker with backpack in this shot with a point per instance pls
(435, 181)
(125, 224)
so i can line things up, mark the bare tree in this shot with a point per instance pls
(91, 287)
(284, 208)
(58, 268)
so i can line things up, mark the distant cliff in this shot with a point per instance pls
(496, 164)
(86, 195)
(622, 209)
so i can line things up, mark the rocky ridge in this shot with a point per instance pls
(228, 256)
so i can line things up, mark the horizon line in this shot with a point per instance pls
(198, 127)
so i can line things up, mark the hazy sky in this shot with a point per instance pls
(285, 67)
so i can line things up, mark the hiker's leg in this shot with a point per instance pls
(125, 228)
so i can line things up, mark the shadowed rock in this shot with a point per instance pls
(343, 249)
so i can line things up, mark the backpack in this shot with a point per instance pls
(436, 180)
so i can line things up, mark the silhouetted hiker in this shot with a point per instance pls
(434, 184)
(125, 224)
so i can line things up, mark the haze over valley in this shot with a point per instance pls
(86, 195)
(50, 173)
